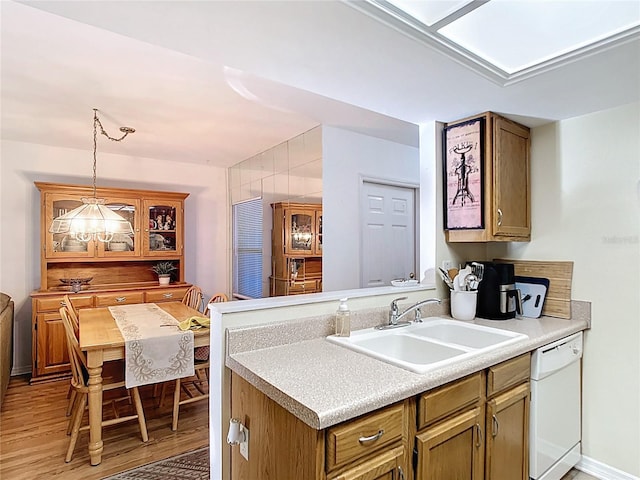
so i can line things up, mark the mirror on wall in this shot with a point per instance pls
(289, 174)
(320, 176)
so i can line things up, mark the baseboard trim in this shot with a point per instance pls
(602, 471)
(20, 370)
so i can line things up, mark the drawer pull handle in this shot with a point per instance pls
(499, 217)
(121, 299)
(372, 438)
(479, 436)
(168, 295)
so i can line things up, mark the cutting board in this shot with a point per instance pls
(532, 291)
(558, 300)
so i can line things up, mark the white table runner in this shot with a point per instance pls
(155, 350)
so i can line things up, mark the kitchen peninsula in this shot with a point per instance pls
(321, 394)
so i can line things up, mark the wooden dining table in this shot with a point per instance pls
(101, 340)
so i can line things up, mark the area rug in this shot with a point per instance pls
(188, 466)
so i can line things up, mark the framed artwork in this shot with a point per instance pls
(463, 186)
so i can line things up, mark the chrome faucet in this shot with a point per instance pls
(395, 316)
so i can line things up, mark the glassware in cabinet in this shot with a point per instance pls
(163, 221)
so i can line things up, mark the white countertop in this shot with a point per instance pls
(324, 384)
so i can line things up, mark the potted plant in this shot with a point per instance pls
(164, 269)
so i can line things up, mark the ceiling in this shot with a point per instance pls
(216, 82)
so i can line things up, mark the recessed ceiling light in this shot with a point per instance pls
(515, 35)
(511, 40)
(429, 12)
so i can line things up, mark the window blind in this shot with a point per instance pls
(247, 248)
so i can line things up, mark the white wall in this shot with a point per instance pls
(21, 164)
(586, 208)
(347, 158)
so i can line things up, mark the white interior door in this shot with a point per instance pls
(387, 230)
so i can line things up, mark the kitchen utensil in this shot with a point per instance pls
(445, 278)
(453, 272)
(478, 270)
(533, 291)
(461, 278)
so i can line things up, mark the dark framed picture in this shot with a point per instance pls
(463, 186)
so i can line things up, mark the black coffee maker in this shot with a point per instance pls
(498, 298)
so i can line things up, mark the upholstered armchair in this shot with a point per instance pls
(6, 342)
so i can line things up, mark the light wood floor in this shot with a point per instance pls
(33, 439)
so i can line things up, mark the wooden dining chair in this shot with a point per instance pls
(195, 388)
(217, 298)
(72, 313)
(79, 379)
(193, 298)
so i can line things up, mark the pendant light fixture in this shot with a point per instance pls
(93, 220)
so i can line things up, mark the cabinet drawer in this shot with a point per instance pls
(357, 438)
(122, 298)
(51, 304)
(443, 401)
(508, 374)
(165, 295)
(306, 286)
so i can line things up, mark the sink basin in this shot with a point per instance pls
(468, 335)
(434, 343)
(407, 348)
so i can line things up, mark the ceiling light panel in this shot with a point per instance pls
(429, 12)
(515, 35)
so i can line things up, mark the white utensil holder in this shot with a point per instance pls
(463, 304)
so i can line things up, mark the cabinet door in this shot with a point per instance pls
(123, 245)
(385, 466)
(507, 456)
(51, 345)
(300, 231)
(63, 245)
(162, 224)
(512, 196)
(452, 449)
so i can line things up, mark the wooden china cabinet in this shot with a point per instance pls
(99, 274)
(296, 246)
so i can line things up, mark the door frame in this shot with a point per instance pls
(416, 217)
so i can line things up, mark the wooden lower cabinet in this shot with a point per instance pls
(50, 359)
(51, 356)
(452, 449)
(388, 465)
(281, 446)
(507, 430)
(475, 428)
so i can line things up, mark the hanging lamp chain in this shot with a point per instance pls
(97, 123)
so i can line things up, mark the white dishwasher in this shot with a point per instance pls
(555, 428)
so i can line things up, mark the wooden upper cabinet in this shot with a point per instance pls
(123, 245)
(156, 218)
(162, 227)
(512, 186)
(303, 230)
(506, 183)
(61, 245)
